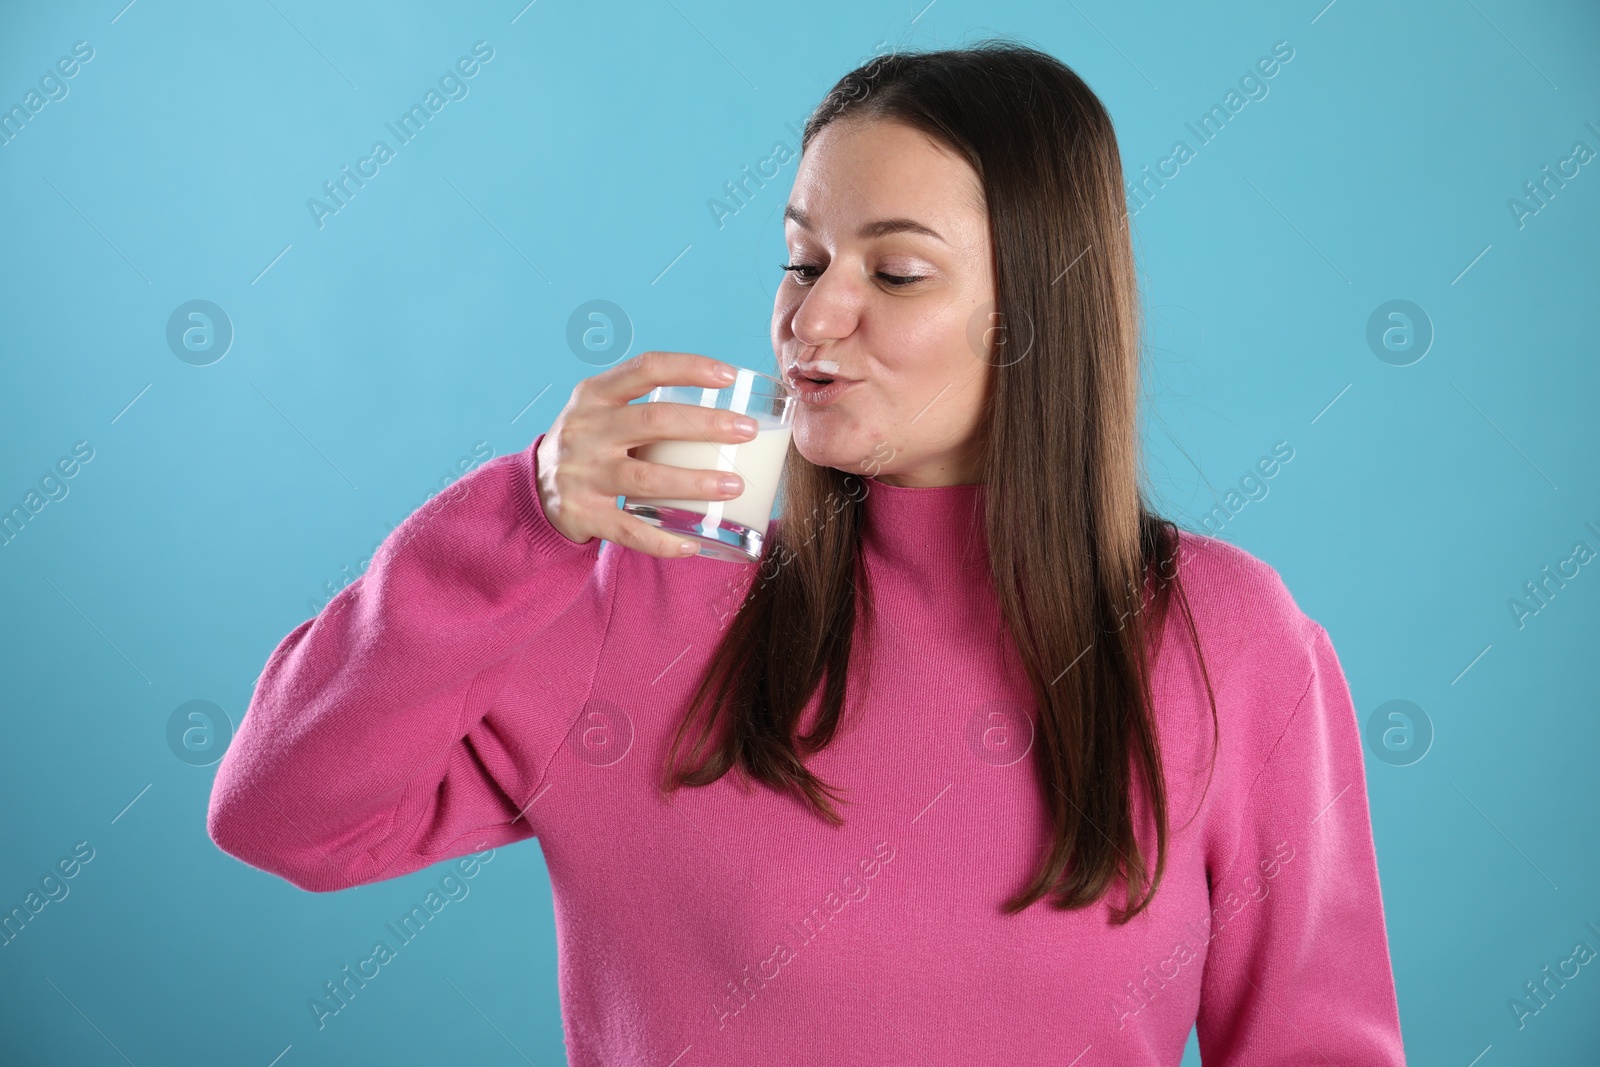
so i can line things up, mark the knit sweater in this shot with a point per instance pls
(488, 680)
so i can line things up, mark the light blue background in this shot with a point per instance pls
(430, 314)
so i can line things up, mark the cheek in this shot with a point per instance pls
(931, 345)
(931, 360)
(785, 302)
(842, 434)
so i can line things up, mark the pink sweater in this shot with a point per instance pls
(487, 680)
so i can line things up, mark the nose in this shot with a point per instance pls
(828, 312)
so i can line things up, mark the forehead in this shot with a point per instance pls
(860, 168)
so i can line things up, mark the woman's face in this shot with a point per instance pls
(876, 203)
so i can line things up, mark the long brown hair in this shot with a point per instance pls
(1083, 570)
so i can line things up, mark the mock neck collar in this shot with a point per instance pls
(936, 526)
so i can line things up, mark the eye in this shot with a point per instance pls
(797, 271)
(805, 274)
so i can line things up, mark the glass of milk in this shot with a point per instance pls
(731, 530)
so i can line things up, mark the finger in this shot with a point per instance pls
(663, 420)
(632, 532)
(633, 378)
(639, 478)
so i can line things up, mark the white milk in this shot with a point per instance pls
(758, 461)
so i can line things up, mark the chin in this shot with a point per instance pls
(826, 447)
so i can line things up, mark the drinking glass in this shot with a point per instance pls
(731, 530)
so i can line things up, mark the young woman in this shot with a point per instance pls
(984, 762)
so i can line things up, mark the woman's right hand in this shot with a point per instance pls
(585, 459)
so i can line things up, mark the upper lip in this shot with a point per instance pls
(795, 373)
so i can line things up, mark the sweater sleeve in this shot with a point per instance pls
(1298, 968)
(377, 740)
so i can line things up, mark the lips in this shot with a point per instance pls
(815, 393)
(821, 372)
(817, 381)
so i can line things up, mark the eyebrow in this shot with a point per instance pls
(877, 228)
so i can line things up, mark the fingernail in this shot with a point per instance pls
(688, 547)
(731, 484)
(726, 373)
(745, 424)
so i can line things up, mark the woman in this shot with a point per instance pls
(932, 783)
